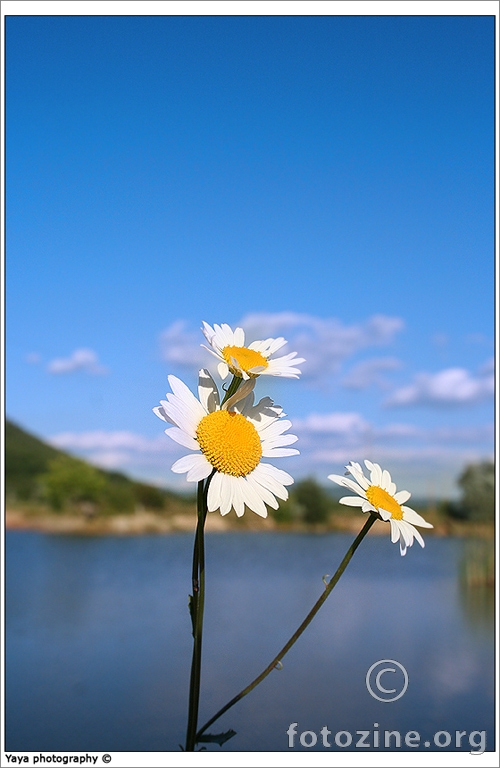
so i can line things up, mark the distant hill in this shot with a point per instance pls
(28, 460)
(26, 457)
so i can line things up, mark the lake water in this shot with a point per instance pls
(98, 644)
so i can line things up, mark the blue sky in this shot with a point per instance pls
(325, 178)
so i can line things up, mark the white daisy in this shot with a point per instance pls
(232, 440)
(379, 495)
(229, 348)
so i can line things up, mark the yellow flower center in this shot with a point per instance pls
(246, 359)
(380, 498)
(230, 442)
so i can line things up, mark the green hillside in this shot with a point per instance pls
(36, 472)
(26, 457)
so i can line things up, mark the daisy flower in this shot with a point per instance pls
(229, 348)
(379, 495)
(230, 442)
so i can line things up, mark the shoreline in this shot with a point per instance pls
(143, 522)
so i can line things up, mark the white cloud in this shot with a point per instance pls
(326, 442)
(452, 386)
(331, 423)
(441, 340)
(79, 360)
(488, 367)
(368, 373)
(399, 431)
(483, 433)
(33, 358)
(102, 440)
(399, 455)
(325, 343)
(110, 460)
(182, 346)
(342, 426)
(123, 451)
(477, 338)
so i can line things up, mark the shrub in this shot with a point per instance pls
(69, 481)
(312, 500)
(477, 502)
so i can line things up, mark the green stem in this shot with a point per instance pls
(235, 383)
(312, 613)
(197, 607)
(198, 598)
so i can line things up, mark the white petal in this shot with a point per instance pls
(207, 391)
(285, 360)
(214, 498)
(227, 334)
(268, 346)
(263, 413)
(395, 532)
(200, 470)
(189, 462)
(253, 499)
(375, 473)
(358, 475)
(386, 481)
(159, 411)
(184, 394)
(212, 351)
(352, 501)
(208, 331)
(277, 474)
(223, 370)
(182, 438)
(180, 417)
(279, 441)
(269, 482)
(184, 400)
(162, 413)
(263, 492)
(406, 531)
(414, 518)
(348, 483)
(281, 367)
(226, 494)
(384, 514)
(354, 465)
(336, 479)
(279, 452)
(414, 533)
(238, 496)
(402, 496)
(239, 337)
(273, 429)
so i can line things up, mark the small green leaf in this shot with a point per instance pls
(216, 738)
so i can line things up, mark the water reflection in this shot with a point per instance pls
(99, 644)
(477, 582)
